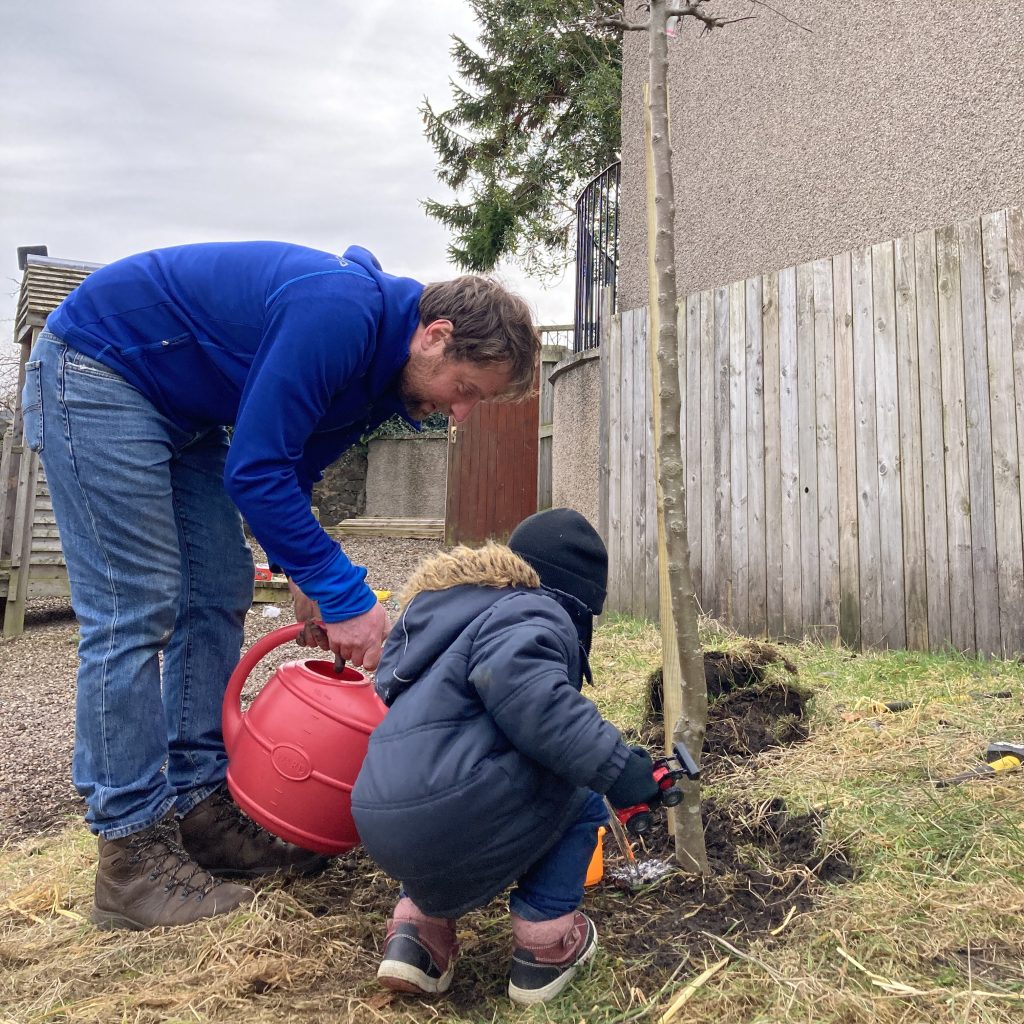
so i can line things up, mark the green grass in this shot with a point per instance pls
(928, 931)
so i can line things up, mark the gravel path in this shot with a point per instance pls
(37, 691)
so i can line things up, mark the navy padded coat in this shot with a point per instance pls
(488, 749)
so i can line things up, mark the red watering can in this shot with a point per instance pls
(293, 757)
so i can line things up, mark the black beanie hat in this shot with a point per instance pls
(567, 553)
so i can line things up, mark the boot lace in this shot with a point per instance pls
(160, 846)
(229, 813)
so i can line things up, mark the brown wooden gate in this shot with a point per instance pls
(492, 472)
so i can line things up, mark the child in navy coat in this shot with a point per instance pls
(489, 768)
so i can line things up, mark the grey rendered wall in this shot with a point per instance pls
(406, 477)
(574, 450)
(890, 116)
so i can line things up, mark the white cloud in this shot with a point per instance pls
(127, 125)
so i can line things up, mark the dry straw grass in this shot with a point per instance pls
(929, 930)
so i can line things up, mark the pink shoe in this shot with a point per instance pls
(542, 965)
(419, 952)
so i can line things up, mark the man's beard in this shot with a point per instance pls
(411, 387)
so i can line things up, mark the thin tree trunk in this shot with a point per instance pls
(683, 662)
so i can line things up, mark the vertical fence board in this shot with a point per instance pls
(807, 482)
(954, 431)
(846, 452)
(915, 576)
(933, 454)
(773, 511)
(979, 441)
(708, 483)
(692, 451)
(650, 582)
(869, 540)
(825, 418)
(615, 454)
(1009, 551)
(887, 438)
(738, 457)
(1015, 267)
(629, 448)
(756, 559)
(789, 447)
(723, 444)
(643, 467)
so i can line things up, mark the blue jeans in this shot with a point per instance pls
(553, 885)
(159, 570)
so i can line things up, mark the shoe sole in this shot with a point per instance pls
(532, 996)
(114, 920)
(109, 920)
(306, 869)
(402, 977)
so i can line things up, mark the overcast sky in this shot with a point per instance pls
(126, 125)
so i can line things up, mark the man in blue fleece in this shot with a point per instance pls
(127, 395)
(487, 769)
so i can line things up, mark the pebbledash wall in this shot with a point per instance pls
(888, 116)
(406, 477)
(575, 481)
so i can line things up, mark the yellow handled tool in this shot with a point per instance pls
(999, 757)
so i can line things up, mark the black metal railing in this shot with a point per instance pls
(597, 255)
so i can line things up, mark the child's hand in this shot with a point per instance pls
(636, 784)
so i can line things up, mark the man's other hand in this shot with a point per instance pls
(307, 612)
(358, 641)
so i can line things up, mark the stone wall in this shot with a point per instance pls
(342, 492)
(407, 477)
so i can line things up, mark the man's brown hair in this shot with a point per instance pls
(490, 325)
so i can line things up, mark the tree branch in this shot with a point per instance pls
(783, 16)
(624, 26)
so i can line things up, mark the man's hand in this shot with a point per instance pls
(359, 640)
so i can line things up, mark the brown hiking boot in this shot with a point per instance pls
(147, 880)
(222, 839)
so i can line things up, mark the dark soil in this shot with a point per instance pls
(765, 863)
(754, 719)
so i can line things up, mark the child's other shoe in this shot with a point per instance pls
(419, 952)
(547, 955)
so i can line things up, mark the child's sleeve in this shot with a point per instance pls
(520, 670)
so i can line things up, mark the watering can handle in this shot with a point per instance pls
(231, 710)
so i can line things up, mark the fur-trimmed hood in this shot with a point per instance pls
(493, 565)
(447, 595)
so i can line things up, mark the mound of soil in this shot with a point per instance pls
(747, 713)
(747, 721)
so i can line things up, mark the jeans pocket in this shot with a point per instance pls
(32, 406)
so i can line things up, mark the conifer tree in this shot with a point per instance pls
(535, 116)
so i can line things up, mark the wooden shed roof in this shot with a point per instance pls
(47, 281)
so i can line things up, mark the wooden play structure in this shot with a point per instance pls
(31, 563)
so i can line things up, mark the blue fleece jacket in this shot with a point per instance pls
(299, 350)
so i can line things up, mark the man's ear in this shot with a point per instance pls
(436, 335)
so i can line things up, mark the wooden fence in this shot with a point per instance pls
(853, 435)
